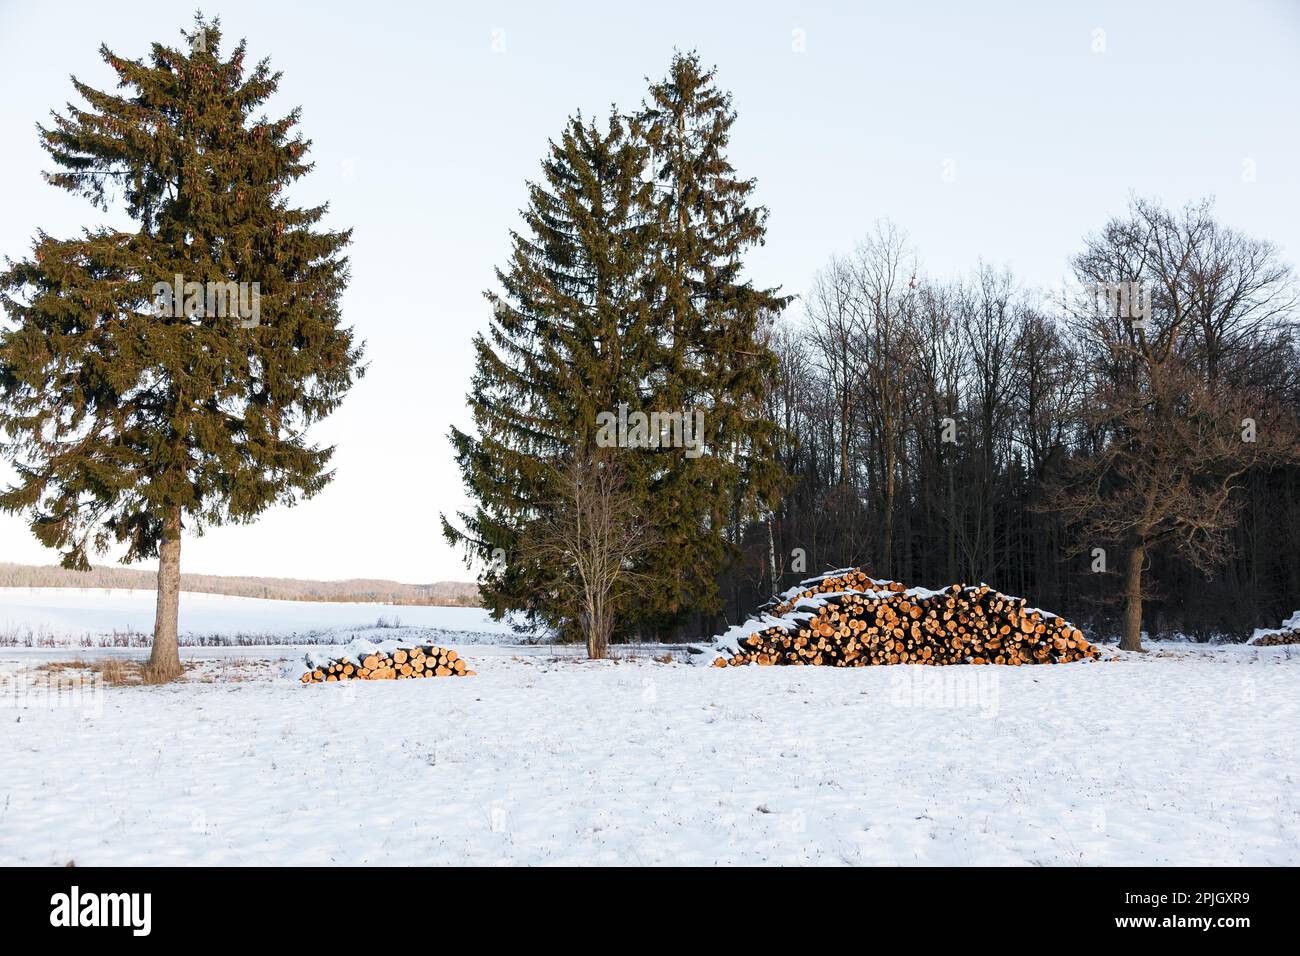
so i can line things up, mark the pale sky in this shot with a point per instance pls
(428, 117)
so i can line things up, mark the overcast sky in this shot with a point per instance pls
(427, 118)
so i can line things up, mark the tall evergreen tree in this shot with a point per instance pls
(711, 354)
(626, 294)
(569, 339)
(132, 413)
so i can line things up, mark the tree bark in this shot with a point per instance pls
(771, 555)
(599, 625)
(164, 658)
(1132, 638)
(598, 640)
(887, 525)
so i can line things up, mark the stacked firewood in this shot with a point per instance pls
(851, 579)
(402, 662)
(849, 620)
(1288, 633)
(1274, 638)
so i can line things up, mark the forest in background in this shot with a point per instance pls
(932, 427)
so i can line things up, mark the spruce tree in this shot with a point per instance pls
(136, 405)
(569, 339)
(711, 356)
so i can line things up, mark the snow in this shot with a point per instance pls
(93, 616)
(1186, 755)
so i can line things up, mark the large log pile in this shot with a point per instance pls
(847, 619)
(390, 664)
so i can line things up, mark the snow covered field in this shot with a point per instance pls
(1187, 755)
(95, 616)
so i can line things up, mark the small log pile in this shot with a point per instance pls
(846, 619)
(1277, 637)
(1288, 633)
(398, 664)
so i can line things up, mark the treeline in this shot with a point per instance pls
(359, 590)
(1142, 416)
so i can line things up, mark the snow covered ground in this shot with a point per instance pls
(1187, 755)
(97, 616)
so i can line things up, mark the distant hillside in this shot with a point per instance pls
(444, 593)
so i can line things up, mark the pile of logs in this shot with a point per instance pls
(852, 579)
(846, 619)
(426, 661)
(1288, 633)
(1274, 638)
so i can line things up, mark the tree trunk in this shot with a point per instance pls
(846, 420)
(598, 641)
(771, 555)
(951, 508)
(887, 526)
(165, 658)
(1132, 638)
(598, 628)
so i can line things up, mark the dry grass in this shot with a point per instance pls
(55, 667)
(148, 675)
(113, 671)
(126, 672)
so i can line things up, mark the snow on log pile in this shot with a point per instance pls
(386, 660)
(847, 619)
(1288, 633)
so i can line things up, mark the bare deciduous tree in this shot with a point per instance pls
(596, 532)
(1168, 474)
(1172, 438)
(885, 286)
